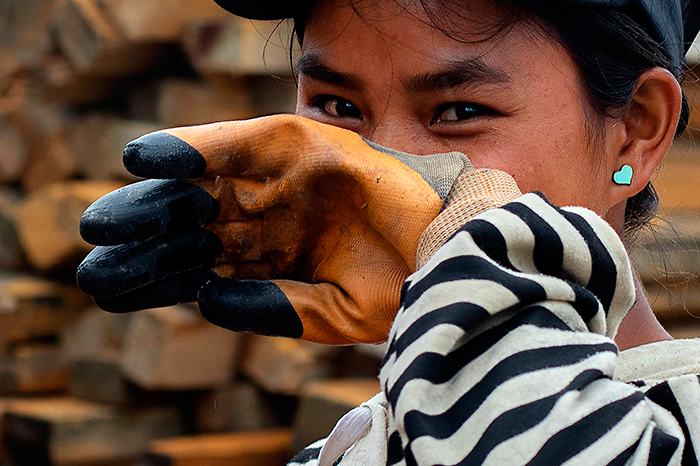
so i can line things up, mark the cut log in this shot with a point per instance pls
(323, 403)
(61, 431)
(13, 153)
(267, 95)
(35, 309)
(676, 182)
(182, 102)
(94, 335)
(241, 407)
(33, 369)
(98, 142)
(23, 26)
(174, 348)
(159, 20)
(57, 81)
(95, 45)
(283, 366)
(43, 128)
(98, 380)
(11, 254)
(239, 46)
(48, 222)
(266, 448)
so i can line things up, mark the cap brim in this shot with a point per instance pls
(263, 9)
(664, 22)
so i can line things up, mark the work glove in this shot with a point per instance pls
(278, 226)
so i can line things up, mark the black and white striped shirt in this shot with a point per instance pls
(502, 352)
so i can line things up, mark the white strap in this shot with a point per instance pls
(349, 429)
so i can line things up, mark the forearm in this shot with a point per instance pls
(502, 349)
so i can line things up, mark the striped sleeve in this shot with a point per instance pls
(502, 353)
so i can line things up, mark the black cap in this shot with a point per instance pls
(674, 23)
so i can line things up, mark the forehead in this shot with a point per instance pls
(363, 36)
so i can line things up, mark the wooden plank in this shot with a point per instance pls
(174, 348)
(32, 369)
(283, 366)
(94, 335)
(43, 128)
(183, 102)
(14, 153)
(240, 407)
(98, 380)
(267, 94)
(264, 448)
(11, 254)
(57, 81)
(322, 403)
(35, 309)
(94, 44)
(64, 431)
(238, 46)
(23, 27)
(47, 222)
(98, 141)
(159, 20)
(676, 180)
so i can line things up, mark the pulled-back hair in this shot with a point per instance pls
(610, 46)
(611, 50)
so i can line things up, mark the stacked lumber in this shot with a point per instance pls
(79, 79)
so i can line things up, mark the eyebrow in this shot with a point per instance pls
(473, 71)
(460, 73)
(312, 66)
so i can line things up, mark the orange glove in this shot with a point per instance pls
(319, 228)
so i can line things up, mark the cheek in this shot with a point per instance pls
(554, 159)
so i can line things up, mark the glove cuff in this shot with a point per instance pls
(473, 192)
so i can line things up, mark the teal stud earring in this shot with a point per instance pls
(624, 176)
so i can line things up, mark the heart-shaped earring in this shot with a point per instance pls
(624, 176)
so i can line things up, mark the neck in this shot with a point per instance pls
(639, 327)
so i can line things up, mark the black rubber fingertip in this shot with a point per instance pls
(177, 289)
(113, 270)
(162, 155)
(147, 209)
(255, 306)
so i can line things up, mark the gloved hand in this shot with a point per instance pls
(319, 228)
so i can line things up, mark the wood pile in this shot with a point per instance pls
(79, 79)
(78, 386)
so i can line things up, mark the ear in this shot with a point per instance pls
(644, 134)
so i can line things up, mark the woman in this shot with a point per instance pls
(501, 352)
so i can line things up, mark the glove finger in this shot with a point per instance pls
(162, 155)
(112, 270)
(147, 209)
(256, 306)
(176, 289)
(261, 148)
(320, 312)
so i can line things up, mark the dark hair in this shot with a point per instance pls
(611, 49)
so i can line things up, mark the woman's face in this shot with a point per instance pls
(513, 102)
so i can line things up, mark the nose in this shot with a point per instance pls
(402, 135)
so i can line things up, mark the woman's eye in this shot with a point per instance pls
(459, 111)
(341, 108)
